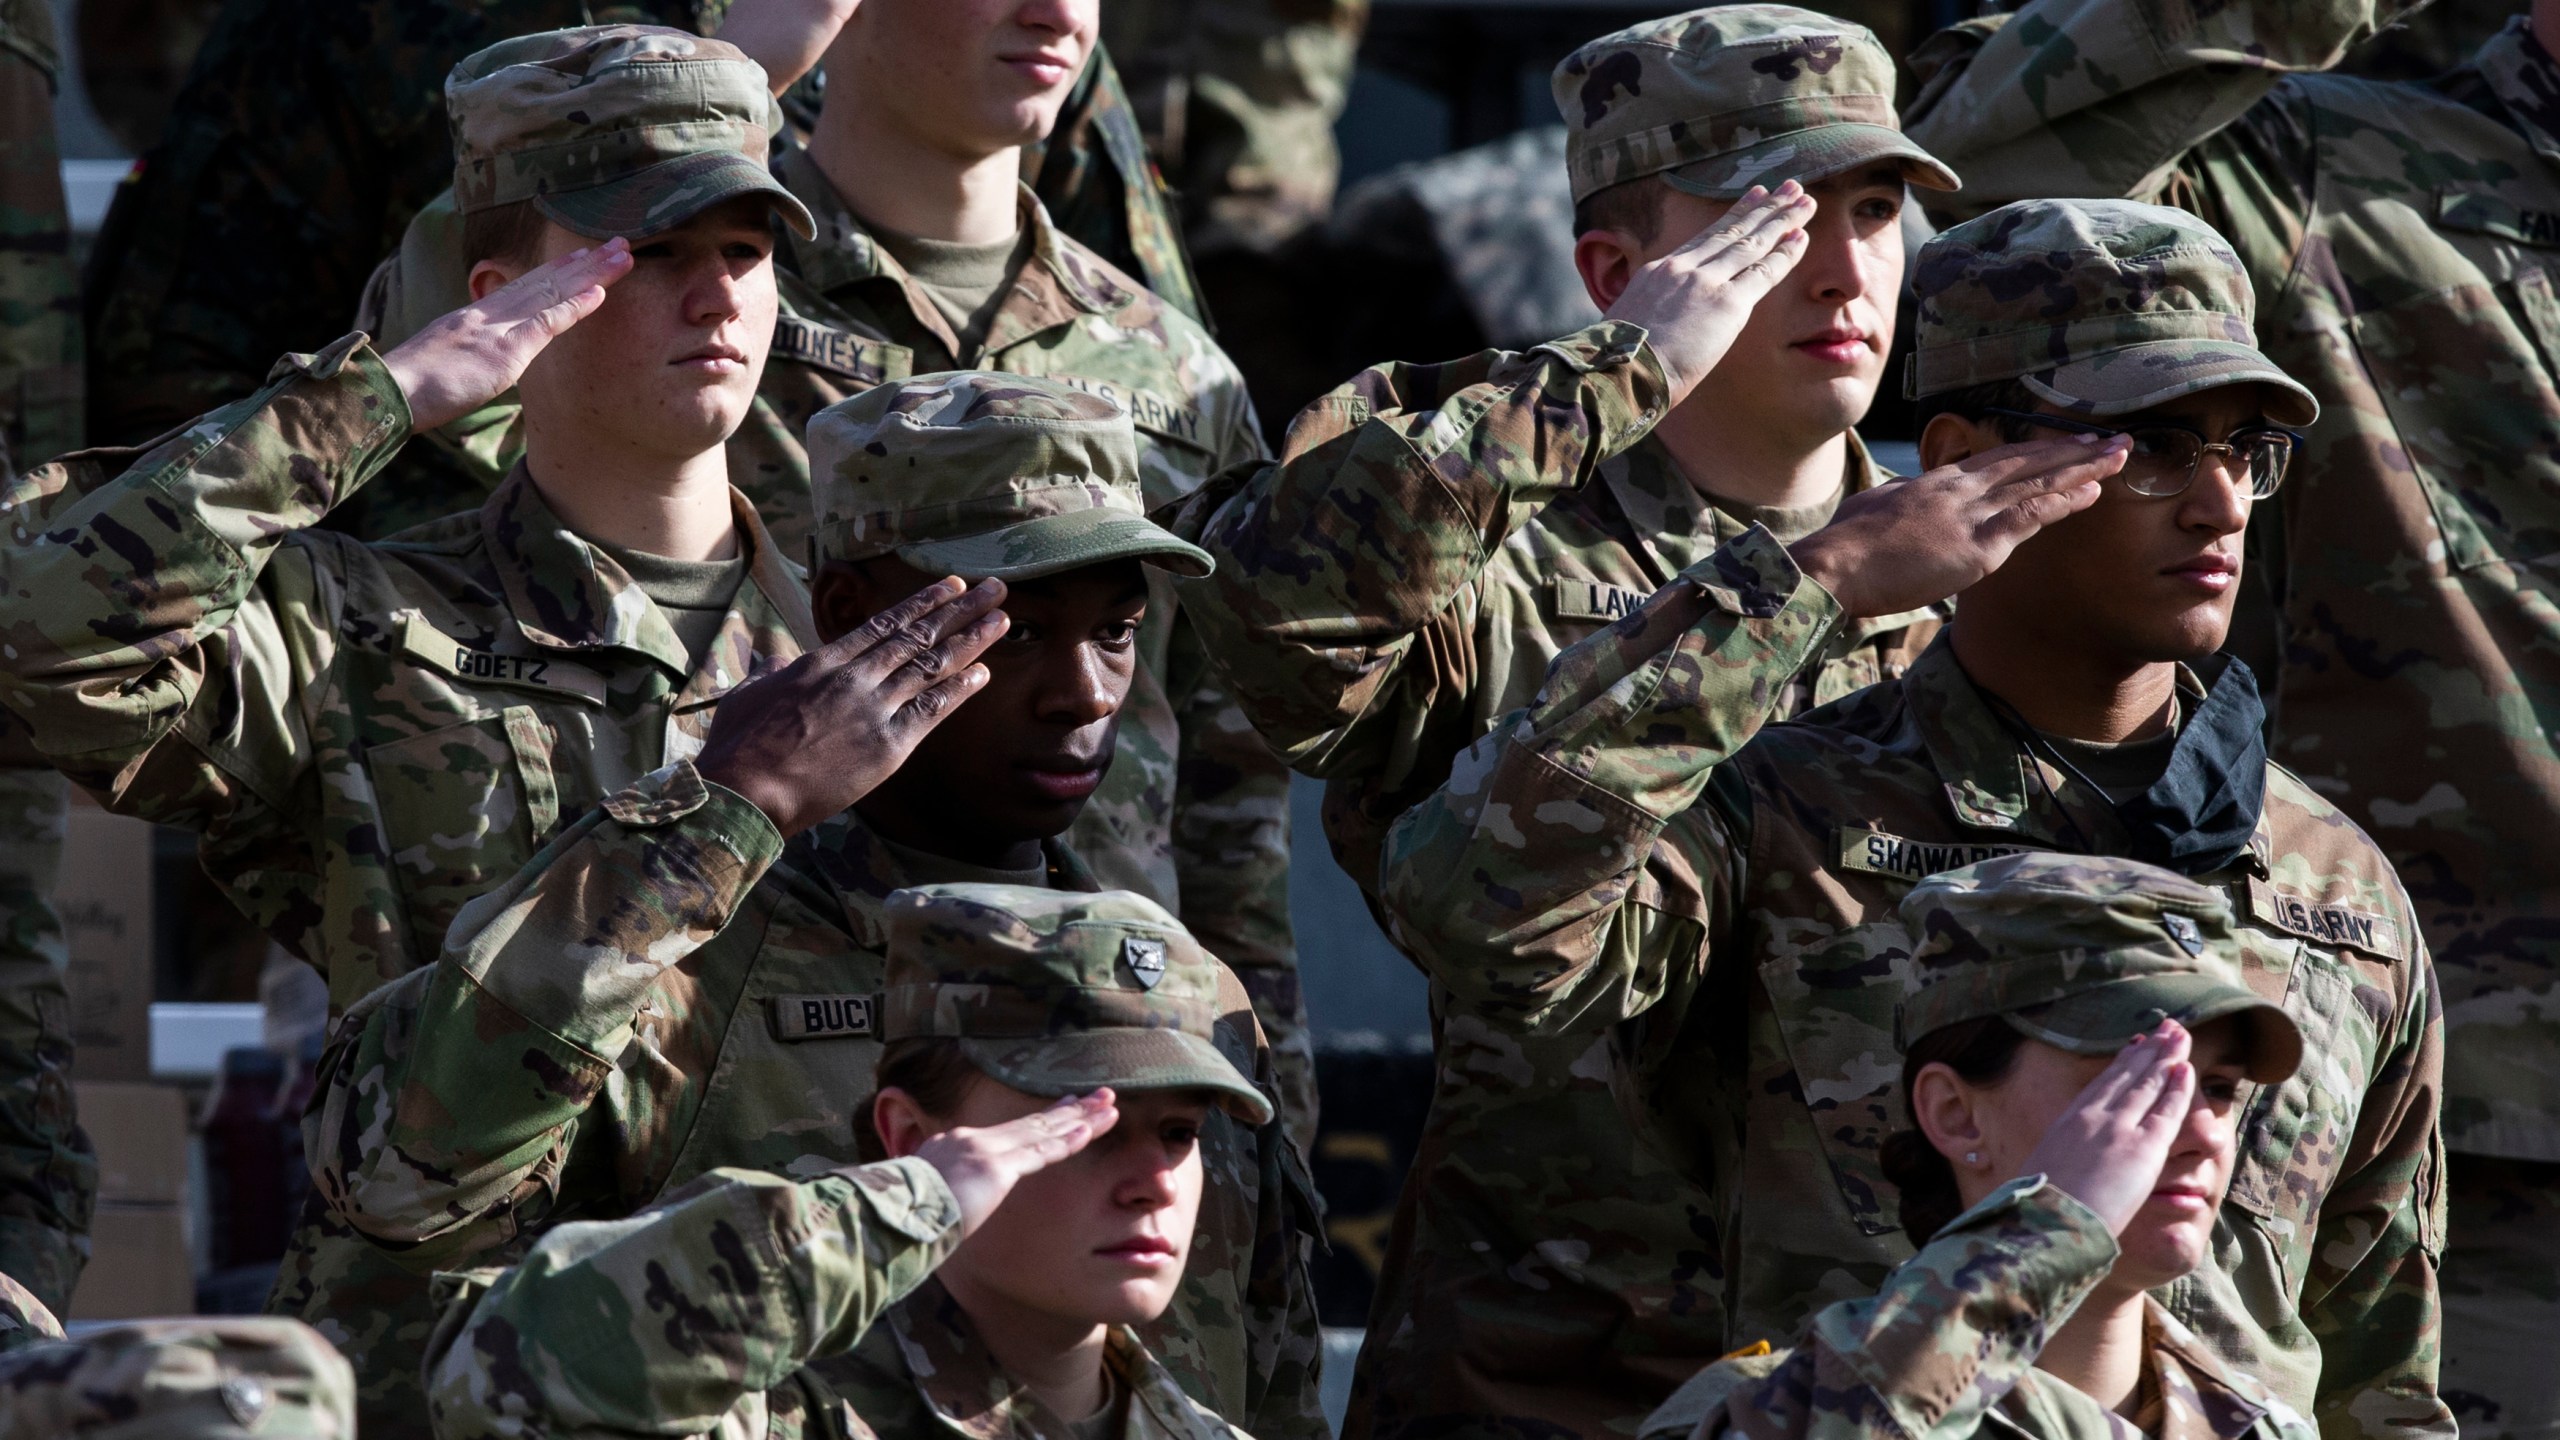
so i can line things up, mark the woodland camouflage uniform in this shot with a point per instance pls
(2405, 239)
(1643, 857)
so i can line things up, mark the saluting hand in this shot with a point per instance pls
(982, 1166)
(1695, 300)
(1914, 542)
(2106, 1150)
(808, 741)
(471, 356)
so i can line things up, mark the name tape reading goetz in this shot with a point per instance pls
(822, 1017)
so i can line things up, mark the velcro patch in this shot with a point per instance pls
(1580, 599)
(822, 1017)
(856, 357)
(2327, 924)
(1875, 852)
(1153, 413)
(438, 651)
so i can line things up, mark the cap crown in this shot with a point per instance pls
(961, 453)
(2041, 284)
(567, 110)
(1005, 962)
(1712, 82)
(2026, 930)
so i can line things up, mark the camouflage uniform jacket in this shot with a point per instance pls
(367, 736)
(671, 989)
(1434, 538)
(1636, 852)
(2404, 240)
(1194, 811)
(783, 1286)
(1947, 1350)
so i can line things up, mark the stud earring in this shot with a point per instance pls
(1973, 1157)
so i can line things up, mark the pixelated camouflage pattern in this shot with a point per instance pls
(187, 1379)
(610, 1023)
(1237, 99)
(2100, 307)
(1732, 96)
(366, 736)
(1435, 536)
(979, 473)
(680, 1319)
(2083, 952)
(612, 129)
(2400, 238)
(1056, 993)
(1641, 857)
(1947, 1349)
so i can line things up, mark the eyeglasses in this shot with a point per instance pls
(2165, 456)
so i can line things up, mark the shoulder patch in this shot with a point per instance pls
(428, 646)
(1875, 852)
(2327, 924)
(858, 358)
(1576, 598)
(820, 1017)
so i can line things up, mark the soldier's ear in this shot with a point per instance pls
(1942, 1109)
(900, 1122)
(489, 275)
(1949, 437)
(1607, 260)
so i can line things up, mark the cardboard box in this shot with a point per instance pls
(140, 1132)
(105, 898)
(140, 1264)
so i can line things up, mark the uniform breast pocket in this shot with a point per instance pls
(463, 809)
(2292, 1136)
(1834, 1007)
(2466, 375)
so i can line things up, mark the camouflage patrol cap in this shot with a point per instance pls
(1719, 100)
(1055, 992)
(2082, 952)
(2100, 307)
(612, 130)
(210, 1378)
(982, 475)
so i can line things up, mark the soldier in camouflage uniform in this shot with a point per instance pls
(1436, 534)
(2030, 970)
(48, 1175)
(2404, 237)
(1642, 856)
(687, 977)
(370, 735)
(226, 1379)
(996, 996)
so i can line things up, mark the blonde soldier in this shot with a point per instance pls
(1438, 533)
(931, 255)
(369, 736)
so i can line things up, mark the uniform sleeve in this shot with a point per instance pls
(48, 1172)
(661, 1324)
(174, 653)
(1954, 1329)
(1390, 498)
(2371, 1296)
(1538, 885)
(451, 1098)
(2107, 98)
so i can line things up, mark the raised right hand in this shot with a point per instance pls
(2107, 1148)
(471, 356)
(1695, 300)
(1914, 542)
(807, 742)
(981, 1166)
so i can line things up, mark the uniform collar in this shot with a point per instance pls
(2526, 81)
(1061, 281)
(967, 1391)
(2200, 1397)
(864, 872)
(567, 594)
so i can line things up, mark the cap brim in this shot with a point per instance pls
(1049, 544)
(1806, 156)
(2138, 377)
(2100, 1021)
(1128, 1059)
(670, 193)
